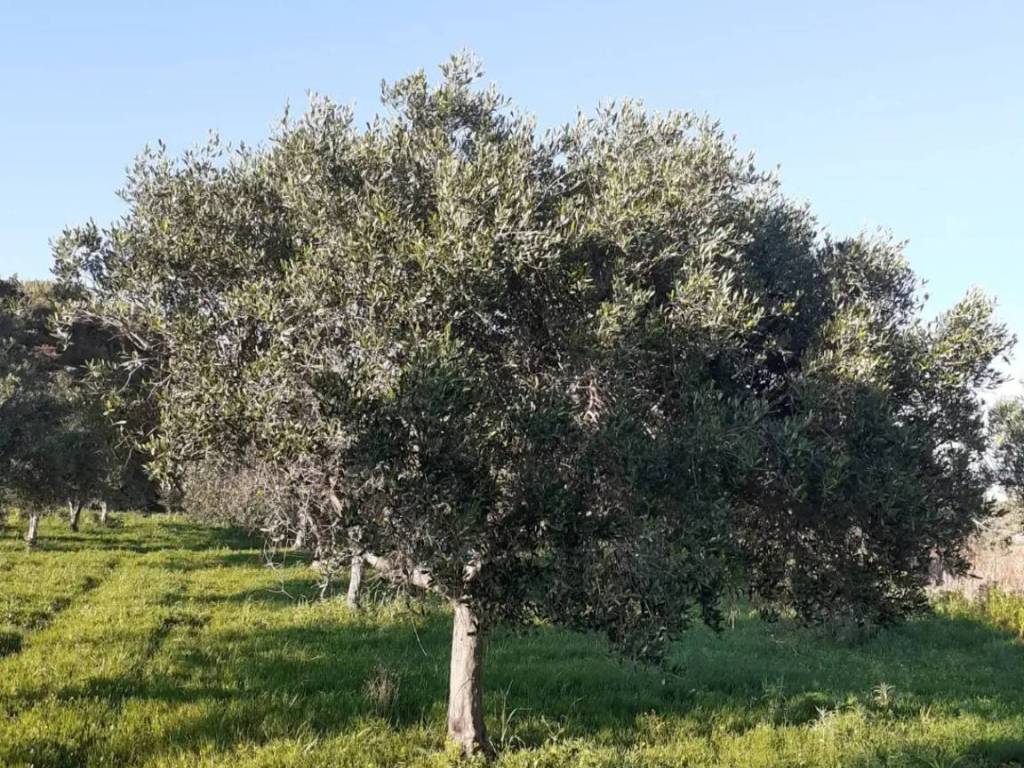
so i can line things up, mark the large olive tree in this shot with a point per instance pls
(594, 377)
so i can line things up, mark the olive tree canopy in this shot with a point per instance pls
(594, 377)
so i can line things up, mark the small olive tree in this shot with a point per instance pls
(595, 377)
(1006, 421)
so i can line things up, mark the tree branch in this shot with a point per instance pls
(417, 576)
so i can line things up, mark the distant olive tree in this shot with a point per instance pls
(56, 446)
(1007, 423)
(596, 377)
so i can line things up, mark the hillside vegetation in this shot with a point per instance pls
(159, 642)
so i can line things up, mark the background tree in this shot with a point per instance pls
(596, 378)
(1007, 424)
(247, 492)
(56, 446)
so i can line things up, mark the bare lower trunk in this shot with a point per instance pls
(300, 535)
(103, 513)
(465, 684)
(74, 512)
(33, 530)
(355, 579)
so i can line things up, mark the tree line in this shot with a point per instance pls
(600, 376)
(58, 444)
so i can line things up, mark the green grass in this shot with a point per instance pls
(162, 643)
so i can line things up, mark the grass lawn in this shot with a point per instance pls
(162, 643)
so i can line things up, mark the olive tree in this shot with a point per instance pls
(594, 377)
(55, 444)
(1006, 421)
(880, 468)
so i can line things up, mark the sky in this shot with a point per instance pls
(902, 115)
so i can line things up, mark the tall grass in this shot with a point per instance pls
(997, 560)
(163, 643)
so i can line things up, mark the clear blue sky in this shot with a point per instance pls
(908, 115)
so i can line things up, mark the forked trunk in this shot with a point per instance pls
(465, 684)
(355, 579)
(74, 512)
(103, 513)
(33, 530)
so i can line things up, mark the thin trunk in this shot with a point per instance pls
(103, 513)
(33, 530)
(74, 512)
(465, 684)
(300, 534)
(355, 579)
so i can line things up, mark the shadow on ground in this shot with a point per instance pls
(171, 534)
(253, 685)
(276, 673)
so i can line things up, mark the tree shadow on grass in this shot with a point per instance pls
(183, 562)
(279, 674)
(253, 684)
(282, 592)
(944, 665)
(166, 535)
(1004, 752)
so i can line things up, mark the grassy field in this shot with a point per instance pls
(161, 643)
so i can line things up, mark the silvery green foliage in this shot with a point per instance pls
(595, 376)
(880, 466)
(1006, 421)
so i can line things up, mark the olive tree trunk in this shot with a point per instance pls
(74, 512)
(33, 530)
(103, 513)
(355, 579)
(465, 684)
(300, 534)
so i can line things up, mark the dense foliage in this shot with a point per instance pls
(1007, 424)
(880, 466)
(56, 444)
(595, 377)
(53, 443)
